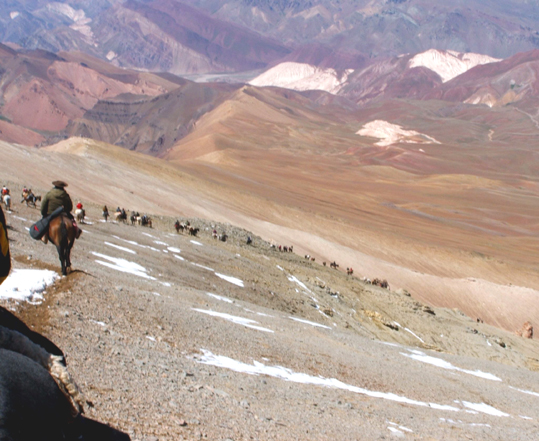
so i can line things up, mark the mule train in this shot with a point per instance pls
(192, 231)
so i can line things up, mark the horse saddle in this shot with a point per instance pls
(38, 230)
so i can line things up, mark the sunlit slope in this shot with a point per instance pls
(452, 240)
(468, 202)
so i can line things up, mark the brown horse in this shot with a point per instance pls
(62, 234)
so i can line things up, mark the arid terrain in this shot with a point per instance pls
(398, 139)
(172, 336)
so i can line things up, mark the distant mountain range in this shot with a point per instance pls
(46, 97)
(209, 36)
(120, 85)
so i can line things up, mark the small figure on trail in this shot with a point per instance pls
(6, 198)
(80, 213)
(105, 212)
(249, 240)
(55, 198)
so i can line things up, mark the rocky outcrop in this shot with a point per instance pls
(526, 331)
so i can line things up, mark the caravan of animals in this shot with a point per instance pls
(120, 216)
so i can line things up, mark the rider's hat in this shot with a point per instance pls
(60, 184)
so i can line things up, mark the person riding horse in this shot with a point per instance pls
(58, 197)
(80, 213)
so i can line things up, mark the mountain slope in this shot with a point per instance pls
(225, 332)
(43, 91)
(149, 124)
(382, 29)
(209, 36)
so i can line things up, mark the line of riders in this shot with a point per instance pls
(58, 196)
(121, 215)
(28, 196)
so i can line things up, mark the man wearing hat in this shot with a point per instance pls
(57, 197)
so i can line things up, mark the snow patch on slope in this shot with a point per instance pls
(392, 133)
(301, 76)
(78, 16)
(449, 64)
(68, 11)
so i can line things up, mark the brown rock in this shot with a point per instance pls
(526, 331)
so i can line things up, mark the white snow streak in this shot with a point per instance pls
(484, 408)
(286, 374)
(123, 265)
(234, 319)
(230, 279)
(420, 356)
(309, 323)
(223, 299)
(120, 248)
(529, 392)
(202, 266)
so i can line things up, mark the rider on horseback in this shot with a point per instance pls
(58, 197)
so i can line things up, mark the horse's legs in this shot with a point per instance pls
(68, 254)
(61, 256)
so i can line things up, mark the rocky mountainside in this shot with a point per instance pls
(172, 336)
(41, 91)
(162, 36)
(150, 124)
(390, 28)
(205, 36)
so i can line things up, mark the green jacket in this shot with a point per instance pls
(54, 199)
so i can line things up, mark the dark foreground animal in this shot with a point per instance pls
(32, 406)
(11, 321)
(62, 234)
(38, 398)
